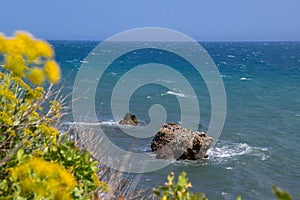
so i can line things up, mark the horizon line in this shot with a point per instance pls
(94, 40)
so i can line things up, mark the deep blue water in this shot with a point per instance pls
(259, 144)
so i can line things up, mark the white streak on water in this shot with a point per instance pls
(176, 94)
(245, 79)
(228, 151)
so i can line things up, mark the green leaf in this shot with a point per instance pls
(20, 154)
(156, 192)
(280, 194)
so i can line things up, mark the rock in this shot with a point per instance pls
(129, 119)
(175, 142)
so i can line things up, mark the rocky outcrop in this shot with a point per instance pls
(129, 119)
(175, 142)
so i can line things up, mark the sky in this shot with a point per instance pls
(203, 20)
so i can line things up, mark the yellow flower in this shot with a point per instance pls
(36, 76)
(28, 132)
(15, 63)
(48, 130)
(36, 93)
(43, 49)
(43, 179)
(24, 37)
(11, 132)
(7, 95)
(52, 71)
(24, 42)
(13, 46)
(23, 51)
(2, 43)
(22, 84)
(5, 119)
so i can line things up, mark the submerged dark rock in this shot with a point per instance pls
(129, 119)
(175, 142)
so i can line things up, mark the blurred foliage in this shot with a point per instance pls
(38, 179)
(80, 164)
(180, 190)
(280, 194)
(23, 120)
(25, 56)
(177, 191)
(35, 162)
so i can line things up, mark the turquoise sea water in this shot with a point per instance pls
(259, 145)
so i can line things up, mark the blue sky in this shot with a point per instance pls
(204, 20)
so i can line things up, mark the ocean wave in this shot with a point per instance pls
(225, 76)
(176, 94)
(108, 123)
(104, 123)
(84, 61)
(71, 61)
(245, 79)
(256, 53)
(226, 151)
(230, 56)
(164, 81)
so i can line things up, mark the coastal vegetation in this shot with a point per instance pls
(37, 160)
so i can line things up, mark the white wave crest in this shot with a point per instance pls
(105, 123)
(176, 94)
(245, 79)
(71, 61)
(164, 81)
(232, 150)
(225, 76)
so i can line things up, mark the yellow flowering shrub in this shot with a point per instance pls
(79, 163)
(22, 114)
(35, 161)
(22, 107)
(29, 57)
(39, 179)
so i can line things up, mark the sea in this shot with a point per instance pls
(258, 145)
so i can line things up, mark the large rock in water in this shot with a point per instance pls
(175, 142)
(129, 119)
